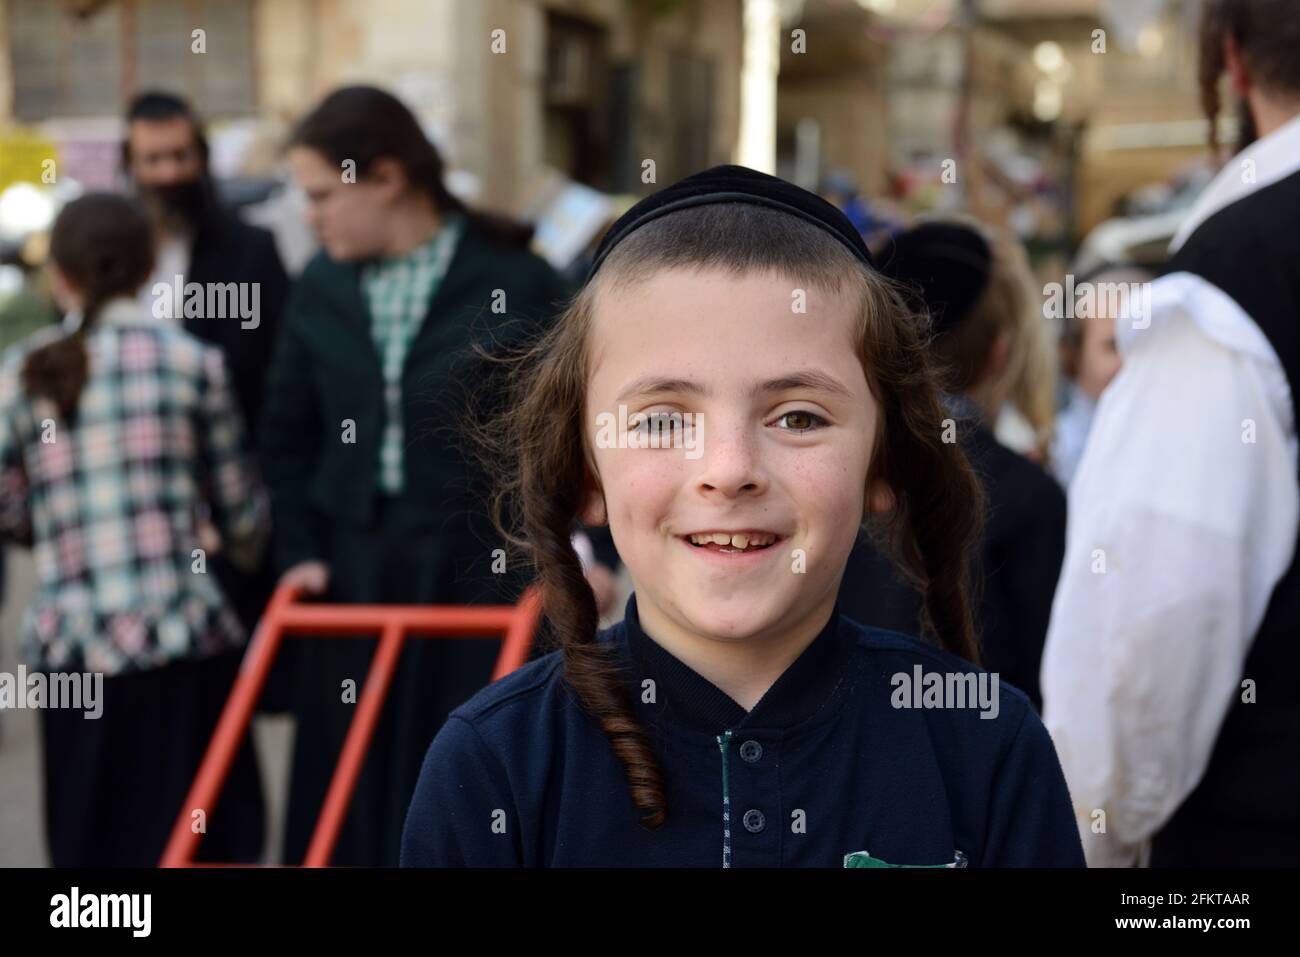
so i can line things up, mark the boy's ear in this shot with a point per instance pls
(880, 497)
(592, 511)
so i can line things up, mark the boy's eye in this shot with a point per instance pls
(802, 421)
(664, 423)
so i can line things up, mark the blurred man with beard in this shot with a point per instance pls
(165, 158)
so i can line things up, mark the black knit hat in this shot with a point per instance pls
(945, 266)
(734, 184)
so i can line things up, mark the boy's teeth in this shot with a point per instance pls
(734, 541)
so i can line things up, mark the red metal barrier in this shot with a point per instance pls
(285, 615)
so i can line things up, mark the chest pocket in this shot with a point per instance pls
(864, 859)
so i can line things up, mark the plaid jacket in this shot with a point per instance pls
(112, 502)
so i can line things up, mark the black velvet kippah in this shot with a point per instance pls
(734, 184)
(946, 266)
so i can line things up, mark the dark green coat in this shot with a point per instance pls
(430, 546)
(326, 370)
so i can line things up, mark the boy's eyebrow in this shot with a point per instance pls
(807, 379)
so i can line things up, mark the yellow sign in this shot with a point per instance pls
(27, 157)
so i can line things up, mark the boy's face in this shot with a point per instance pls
(780, 447)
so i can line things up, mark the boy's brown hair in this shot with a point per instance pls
(546, 475)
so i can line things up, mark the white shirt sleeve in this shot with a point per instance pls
(1182, 518)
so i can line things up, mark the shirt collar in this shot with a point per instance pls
(686, 698)
(1274, 157)
(448, 233)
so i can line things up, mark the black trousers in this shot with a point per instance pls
(398, 559)
(115, 785)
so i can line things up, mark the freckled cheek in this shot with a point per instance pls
(641, 486)
(830, 492)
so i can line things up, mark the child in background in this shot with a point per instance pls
(114, 438)
(1090, 360)
(1026, 422)
(986, 337)
(735, 717)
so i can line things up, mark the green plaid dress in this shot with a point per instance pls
(398, 291)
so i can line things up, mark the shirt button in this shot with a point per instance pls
(751, 751)
(754, 821)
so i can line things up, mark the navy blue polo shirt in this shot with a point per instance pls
(829, 764)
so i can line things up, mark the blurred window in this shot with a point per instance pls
(577, 80)
(87, 58)
(690, 114)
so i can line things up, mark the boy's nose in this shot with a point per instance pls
(731, 462)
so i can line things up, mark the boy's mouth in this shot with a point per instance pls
(733, 542)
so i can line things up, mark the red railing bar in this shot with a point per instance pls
(355, 745)
(284, 616)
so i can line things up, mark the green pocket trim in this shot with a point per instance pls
(864, 859)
